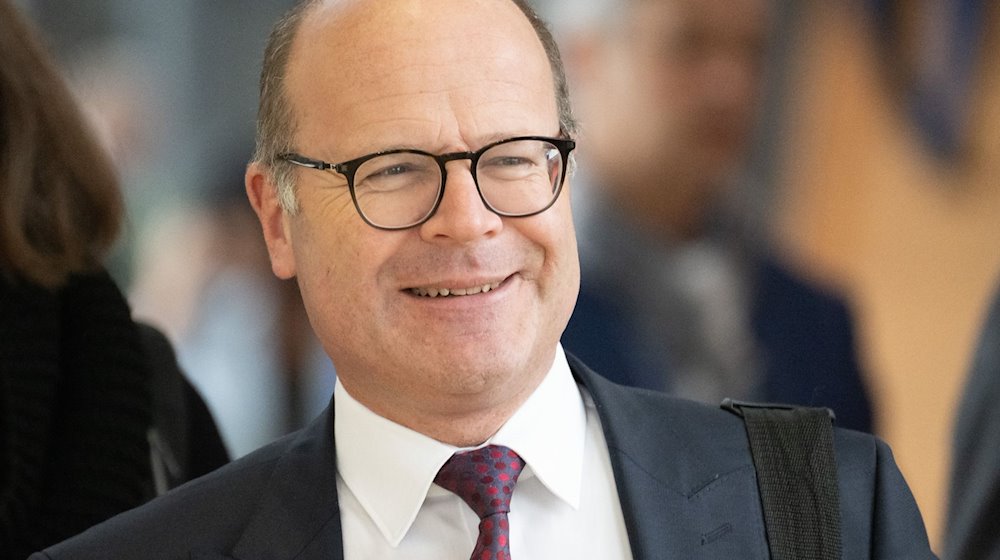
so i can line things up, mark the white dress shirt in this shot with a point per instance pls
(565, 504)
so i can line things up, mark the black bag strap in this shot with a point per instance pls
(792, 449)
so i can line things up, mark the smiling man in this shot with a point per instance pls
(410, 173)
(452, 367)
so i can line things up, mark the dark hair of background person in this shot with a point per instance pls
(61, 207)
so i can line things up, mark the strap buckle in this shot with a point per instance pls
(736, 407)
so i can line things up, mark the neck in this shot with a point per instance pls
(467, 430)
(461, 420)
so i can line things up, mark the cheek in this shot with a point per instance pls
(558, 238)
(338, 271)
(570, 269)
(324, 256)
(338, 287)
(564, 289)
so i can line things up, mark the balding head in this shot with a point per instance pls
(347, 82)
(276, 121)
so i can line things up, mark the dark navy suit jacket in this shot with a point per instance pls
(683, 470)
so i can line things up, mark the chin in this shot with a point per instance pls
(484, 369)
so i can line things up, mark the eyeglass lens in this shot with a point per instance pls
(515, 178)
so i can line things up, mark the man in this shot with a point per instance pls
(681, 289)
(439, 285)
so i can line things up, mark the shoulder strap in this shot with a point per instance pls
(792, 449)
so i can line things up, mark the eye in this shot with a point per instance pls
(510, 161)
(392, 172)
(516, 160)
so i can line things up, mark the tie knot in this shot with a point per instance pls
(484, 478)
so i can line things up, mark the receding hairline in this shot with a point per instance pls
(308, 10)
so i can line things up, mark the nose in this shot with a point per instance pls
(462, 217)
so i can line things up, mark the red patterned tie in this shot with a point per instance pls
(485, 479)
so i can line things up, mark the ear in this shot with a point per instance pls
(273, 219)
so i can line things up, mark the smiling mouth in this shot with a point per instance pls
(454, 292)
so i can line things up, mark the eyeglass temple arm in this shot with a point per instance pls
(303, 161)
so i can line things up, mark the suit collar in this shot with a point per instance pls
(298, 515)
(641, 437)
(683, 471)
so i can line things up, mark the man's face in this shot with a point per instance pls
(441, 76)
(677, 88)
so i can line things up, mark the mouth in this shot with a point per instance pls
(454, 291)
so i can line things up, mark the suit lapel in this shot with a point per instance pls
(684, 475)
(298, 515)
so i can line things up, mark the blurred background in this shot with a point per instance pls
(875, 150)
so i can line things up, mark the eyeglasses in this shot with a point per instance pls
(399, 189)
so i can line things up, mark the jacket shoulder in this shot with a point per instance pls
(208, 513)
(692, 449)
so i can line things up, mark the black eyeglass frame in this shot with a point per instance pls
(350, 167)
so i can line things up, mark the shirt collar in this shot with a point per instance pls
(547, 431)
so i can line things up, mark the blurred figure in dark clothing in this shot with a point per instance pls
(95, 417)
(681, 289)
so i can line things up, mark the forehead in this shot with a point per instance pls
(384, 72)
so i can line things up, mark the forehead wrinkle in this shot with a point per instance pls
(461, 104)
(393, 62)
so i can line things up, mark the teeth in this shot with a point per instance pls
(435, 292)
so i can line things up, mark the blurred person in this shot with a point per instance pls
(437, 264)
(241, 334)
(681, 289)
(95, 418)
(974, 495)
